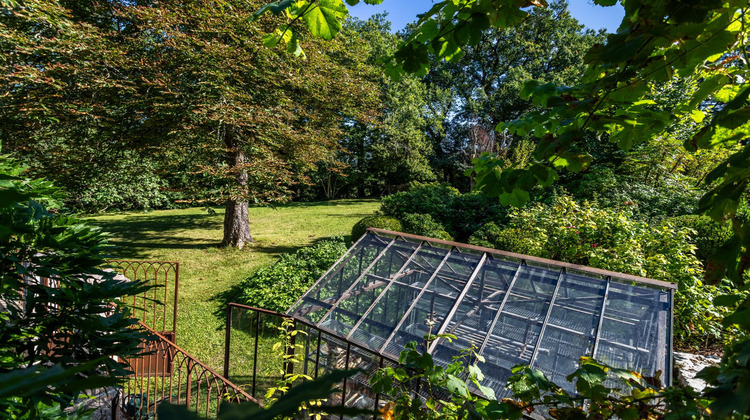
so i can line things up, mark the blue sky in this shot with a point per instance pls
(401, 12)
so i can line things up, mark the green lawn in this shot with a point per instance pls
(191, 237)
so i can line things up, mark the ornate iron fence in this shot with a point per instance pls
(156, 308)
(167, 373)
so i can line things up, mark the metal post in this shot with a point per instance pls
(227, 340)
(456, 304)
(176, 288)
(346, 366)
(288, 363)
(377, 396)
(317, 357)
(546, 318)
(521, 265)
(255, 353)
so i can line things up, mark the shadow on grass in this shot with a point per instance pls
(349, 202)
(143, 232)
(234, 293)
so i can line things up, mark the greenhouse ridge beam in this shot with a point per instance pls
(529, 258)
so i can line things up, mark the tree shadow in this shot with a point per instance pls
(142, 232)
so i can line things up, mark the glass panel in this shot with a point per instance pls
(477, 310)
(319, 300)
(353, 304)
(634, 331)
(380, 322)
(512, 340)
(571, 328)
(436, 301)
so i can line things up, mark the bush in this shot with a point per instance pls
(431, 199)
(280, 285)
(425, 225)
(612, 239)
(708, 235)
(644, 201)
(127, 183)
(470, 211)
(381, 222)
(460, 214)
(505, 239)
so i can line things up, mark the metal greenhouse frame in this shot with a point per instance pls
(391, 288)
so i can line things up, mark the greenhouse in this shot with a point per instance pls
(391, 288)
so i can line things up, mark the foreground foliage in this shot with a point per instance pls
(56, 341)
(601, 392)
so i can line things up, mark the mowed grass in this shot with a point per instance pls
(192, 236)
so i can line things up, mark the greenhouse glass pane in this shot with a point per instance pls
(317, 301)
(378, 325)
(571, 327)
(353, 303)
(634, 332)
(478, 308)
(514, 336)
(435, 303)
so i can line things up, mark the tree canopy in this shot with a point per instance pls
(182, 81)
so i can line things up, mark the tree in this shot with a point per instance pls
(186, 78)
(486, 81)
(396, 149)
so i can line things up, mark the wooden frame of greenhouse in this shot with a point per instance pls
(391, 288)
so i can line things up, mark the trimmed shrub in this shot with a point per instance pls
(381, 222)
(425, 225)
(431, 199)
(459, 214)
(505, 239)
(708, 235)
(468, 212)
(280, 285)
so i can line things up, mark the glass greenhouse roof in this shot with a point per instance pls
(391, 288)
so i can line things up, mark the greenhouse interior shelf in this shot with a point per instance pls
(391, 288)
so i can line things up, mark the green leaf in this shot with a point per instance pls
(740, 318)
(727, 300)
(516, 198)
(324, 18)
(457, 386)
(697, 115)
(270, 40)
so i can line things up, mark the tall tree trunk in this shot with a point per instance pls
(236, 217)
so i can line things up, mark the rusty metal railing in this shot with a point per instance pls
(167, 373)
(157, 308)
